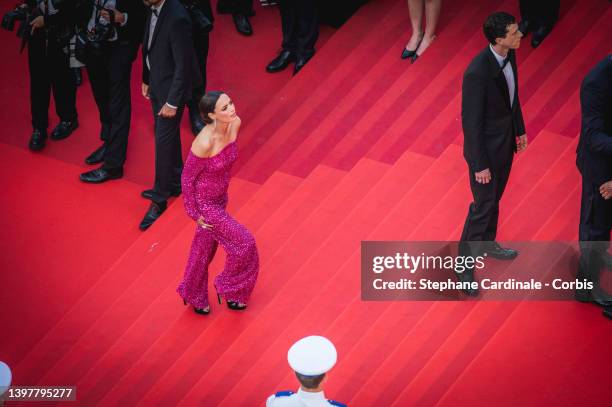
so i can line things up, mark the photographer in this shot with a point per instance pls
(110, 33)
(46, 27)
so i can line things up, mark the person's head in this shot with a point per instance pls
(501, 29)
(217, 105)
(311, 382)
(311, 358)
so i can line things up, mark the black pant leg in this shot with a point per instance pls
(201, 44)
(40, 81)
(99, 76)
(481, 210)
(549, 12)
(499, 179)
(244, 7)
(307, 28)
(168, 160)
(594, 230)
(288, 11)
(120, 104)
(528, 10)
(63, 82)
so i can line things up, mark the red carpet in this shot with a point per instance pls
(359, 146)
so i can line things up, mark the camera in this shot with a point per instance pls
(19, 13)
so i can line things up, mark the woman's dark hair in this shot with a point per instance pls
(496, 25)
(207, 104)
(310, 382)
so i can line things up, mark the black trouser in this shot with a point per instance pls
(168, 157)
(201, 47)
(300, 26)
(50, 70)
(244, 7)
(594, 230)
(109, 74)
(540, 12)
(483, 213)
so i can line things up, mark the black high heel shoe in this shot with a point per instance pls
(233, 305)
(200, 311)
(407, 53)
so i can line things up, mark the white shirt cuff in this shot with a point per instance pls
(169, 105)
(125, 15)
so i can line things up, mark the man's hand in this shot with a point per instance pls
(483, 177)
(203, 224)
(145, 91)
(521, 143)
(119, 16)
(167, 112)
(606, 190)
(38, 22)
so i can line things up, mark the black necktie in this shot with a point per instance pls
(154, 11)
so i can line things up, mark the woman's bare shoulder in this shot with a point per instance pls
(202, 146)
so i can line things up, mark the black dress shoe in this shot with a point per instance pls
(38, 140)
(467, 276)
(607, 312)
(64, 129)
(243, 25)
(100, 175)
(593, 297)
(539, 35)
(524, 27)
(148, 193)
(97, 156)
(493, 249)
(153, 213)
(78, 76)
(280, 62)
(299, 64)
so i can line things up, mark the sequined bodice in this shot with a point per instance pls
(205, 180)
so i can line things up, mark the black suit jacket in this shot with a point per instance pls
(594, 157)
(490, 125)
(174, 71)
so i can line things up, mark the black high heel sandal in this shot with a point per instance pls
(408, 53)
(200, 311)
(233, 305)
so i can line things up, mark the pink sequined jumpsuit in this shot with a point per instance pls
(204, 183)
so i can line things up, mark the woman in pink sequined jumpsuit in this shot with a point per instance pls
(205, 181)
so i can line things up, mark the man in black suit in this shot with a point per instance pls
(493, 130)
(51, 27)
(300, 24)
(170, 74)
(538, 16)
(113, 33)
(594, 160)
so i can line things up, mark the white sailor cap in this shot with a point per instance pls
(312, 356)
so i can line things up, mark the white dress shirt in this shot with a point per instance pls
(507, 73)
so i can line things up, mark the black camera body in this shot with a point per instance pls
(24, 15)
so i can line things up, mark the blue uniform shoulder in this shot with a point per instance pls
(283, 393)
(336, 403)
